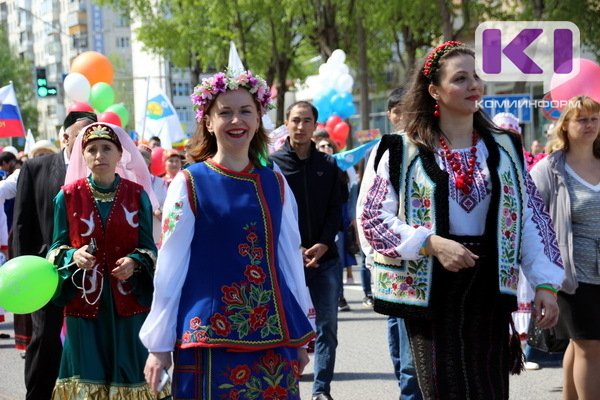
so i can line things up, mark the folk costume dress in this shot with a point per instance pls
(458, 322)
(103, 357)
(230, 296)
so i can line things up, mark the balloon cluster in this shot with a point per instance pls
(89, 86)
(332, 90)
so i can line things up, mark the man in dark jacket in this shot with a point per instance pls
(39, 182)
(313, 178)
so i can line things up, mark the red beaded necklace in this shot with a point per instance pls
(463, 177)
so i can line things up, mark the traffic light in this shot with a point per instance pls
(43, 90)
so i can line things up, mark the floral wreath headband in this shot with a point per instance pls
(432, 63)
(229, 80)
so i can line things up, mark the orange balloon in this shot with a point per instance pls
(96, 67)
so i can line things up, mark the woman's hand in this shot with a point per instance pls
(155, 365)
(452, 255)
(545, 309)
(314, 254)
(83, 259)
(303, 359)
(125, 268)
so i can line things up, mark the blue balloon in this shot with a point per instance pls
(347, 110)
(323, 105)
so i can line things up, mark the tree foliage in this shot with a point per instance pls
(20, 72)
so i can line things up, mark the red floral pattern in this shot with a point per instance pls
(273, 377)
(247, 305)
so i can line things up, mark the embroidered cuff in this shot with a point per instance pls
(51, 256)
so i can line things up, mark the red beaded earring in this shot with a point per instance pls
(436, 110)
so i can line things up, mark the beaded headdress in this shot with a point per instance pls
(229, 80)
(432, 63)
(99, 131)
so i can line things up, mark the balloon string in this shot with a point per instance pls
(93, 281)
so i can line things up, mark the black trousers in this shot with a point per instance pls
(42, 360)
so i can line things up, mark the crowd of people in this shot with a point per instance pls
(218, 278)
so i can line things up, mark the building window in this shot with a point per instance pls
(123, 42)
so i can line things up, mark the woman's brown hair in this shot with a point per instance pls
(421, 125)
(203, 144)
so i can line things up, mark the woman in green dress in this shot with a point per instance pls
(105, 254)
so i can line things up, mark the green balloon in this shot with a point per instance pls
(102, 96)
(27, 283)
(121, 111)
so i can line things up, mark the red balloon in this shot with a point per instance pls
(339, 134)
(80, 106)
(110, 117)
(332, 123)
(157, 165)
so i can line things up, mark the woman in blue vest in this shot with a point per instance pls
(230, 298)
(105, 254)
(451, 213)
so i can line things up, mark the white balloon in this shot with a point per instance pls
(344, 83)
(337, 57)
(77, 87)
(324, 69)
(312, 81)
(336, 70)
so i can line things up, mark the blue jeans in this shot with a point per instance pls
(401, 354)
(365, 276)
(324, 286)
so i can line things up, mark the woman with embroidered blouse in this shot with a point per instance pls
(230, 298)
(450, 213)
(105, 254)
(569, 182)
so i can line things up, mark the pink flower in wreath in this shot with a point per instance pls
(240, 375)
(186, 337)
(220, 324)
(255, 274)
(195, 323)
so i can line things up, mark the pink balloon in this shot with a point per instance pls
(157, 166)
(332, 122)
(585, 83)
(80, 106)
(110, 117)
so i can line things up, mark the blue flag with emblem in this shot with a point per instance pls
(348, 159)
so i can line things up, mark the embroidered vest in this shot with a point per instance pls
(234, 294)
(114, 240)
(404, 287)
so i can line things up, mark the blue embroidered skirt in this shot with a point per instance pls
(202, 373)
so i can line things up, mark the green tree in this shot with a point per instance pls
(20, 72)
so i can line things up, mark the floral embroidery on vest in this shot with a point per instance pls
(270, 378)
(508, 232)
(420, 212)
(246, 304)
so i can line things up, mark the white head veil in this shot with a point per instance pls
(131, 166)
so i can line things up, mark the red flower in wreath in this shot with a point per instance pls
(244, 249)
(186, 337)
(409, 280)
(234, 394)
(195, 323)
(232, 294)
(255, 274)
(258, 317)
(240, 375)
(275, 393)
(427, 203)
(220, 324)
(271, 361)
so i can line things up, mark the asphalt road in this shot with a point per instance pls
(363, 369)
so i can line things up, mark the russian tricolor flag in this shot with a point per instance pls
(11, 123)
